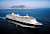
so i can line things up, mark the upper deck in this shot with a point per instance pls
(14, 15)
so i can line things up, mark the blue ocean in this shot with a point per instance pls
(42, 15)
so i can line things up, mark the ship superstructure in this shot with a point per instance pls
(25, 20)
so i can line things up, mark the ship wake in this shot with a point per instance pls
(3, 17)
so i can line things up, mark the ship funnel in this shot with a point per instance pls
(13, 13)
(18, 15)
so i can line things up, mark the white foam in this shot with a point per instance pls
(3, 17)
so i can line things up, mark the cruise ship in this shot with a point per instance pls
(24, 21)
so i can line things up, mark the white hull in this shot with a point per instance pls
(23, 25)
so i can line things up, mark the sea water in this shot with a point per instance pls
(42, 15)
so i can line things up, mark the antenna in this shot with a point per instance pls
(26, 14)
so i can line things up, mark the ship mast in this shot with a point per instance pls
(26, 14)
